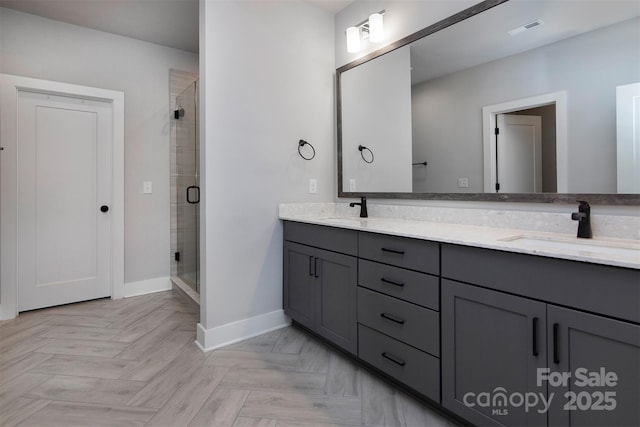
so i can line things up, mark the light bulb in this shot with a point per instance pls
(353, 39)
(376, 28)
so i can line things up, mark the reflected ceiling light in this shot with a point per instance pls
(372, 29)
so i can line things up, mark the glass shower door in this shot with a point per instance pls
(188, 186)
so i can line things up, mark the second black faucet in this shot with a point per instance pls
(583, 216)
(363, 207)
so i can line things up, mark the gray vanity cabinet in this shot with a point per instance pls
(319, 284)
(398, 309)
(336, 310)
(490, 340)
(589, 342)
(300, 284)
(475, 329)
(490, 337)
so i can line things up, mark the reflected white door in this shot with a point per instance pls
(628, 137)
(64, 177)
(519, 152)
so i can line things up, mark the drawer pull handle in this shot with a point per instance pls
(393, 251)
(393, 358)
(556, 356)
(393, 318)
(535, 336)
(391, 282)
(311, 266)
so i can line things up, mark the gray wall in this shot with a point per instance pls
(267, 81)
(41, 48)
(376, 113)
(587, 67)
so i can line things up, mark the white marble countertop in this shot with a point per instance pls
(607, 251)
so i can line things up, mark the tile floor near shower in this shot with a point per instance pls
(133, 362)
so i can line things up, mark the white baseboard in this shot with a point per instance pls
(7, 312)
(220, 336)
(149, 286)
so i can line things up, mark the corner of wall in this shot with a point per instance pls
(149, 286)
(221, 336)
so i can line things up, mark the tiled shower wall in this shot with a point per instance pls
(178, 82)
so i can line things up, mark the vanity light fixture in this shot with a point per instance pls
(371, 29)
(353, 39)
(376, 28)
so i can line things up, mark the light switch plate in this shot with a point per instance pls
(313, 186)
(463, 182)
(147, 187)
(352, 185)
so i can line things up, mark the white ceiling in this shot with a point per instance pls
(172, 23)
(484, 37)
(333, 6)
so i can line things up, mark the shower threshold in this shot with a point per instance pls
(186, 292)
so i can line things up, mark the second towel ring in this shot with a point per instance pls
(301, 144)
(361, 148)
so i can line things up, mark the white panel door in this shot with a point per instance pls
(64, 176)
(519, 149)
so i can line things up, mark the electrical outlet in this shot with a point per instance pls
(147, 187)
(463, 182)
(352, 185)
(313, 186)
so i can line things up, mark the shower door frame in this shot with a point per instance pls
(187, 192)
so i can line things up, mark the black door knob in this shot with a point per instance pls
(104, 208)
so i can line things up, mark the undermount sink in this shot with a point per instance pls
(591, 247)
(357, 221)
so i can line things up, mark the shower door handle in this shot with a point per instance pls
(197, 200)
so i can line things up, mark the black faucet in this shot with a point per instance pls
(583, 216)
(363, 207)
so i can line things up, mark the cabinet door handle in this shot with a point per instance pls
(391, 282)
(393, 318)
(315, 268)
(393, 251)
(535, 336)
(393, 358)
(311, 266)
(556, 356)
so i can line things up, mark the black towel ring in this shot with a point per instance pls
(301, 144)
(361, 148)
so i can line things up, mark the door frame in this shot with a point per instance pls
(628, 176)
(10, 85)
(489, 114)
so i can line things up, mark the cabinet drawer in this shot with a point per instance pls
(329, 238)
(409, 323)
(418, 370)
(418, 288)
(420, 255)
(601, 289)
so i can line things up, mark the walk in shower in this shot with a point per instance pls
(186, 187)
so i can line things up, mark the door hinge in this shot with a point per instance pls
(176, 256)
(497, 131)
(497, 187)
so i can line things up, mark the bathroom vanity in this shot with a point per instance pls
(471, 319)
(499, 326)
